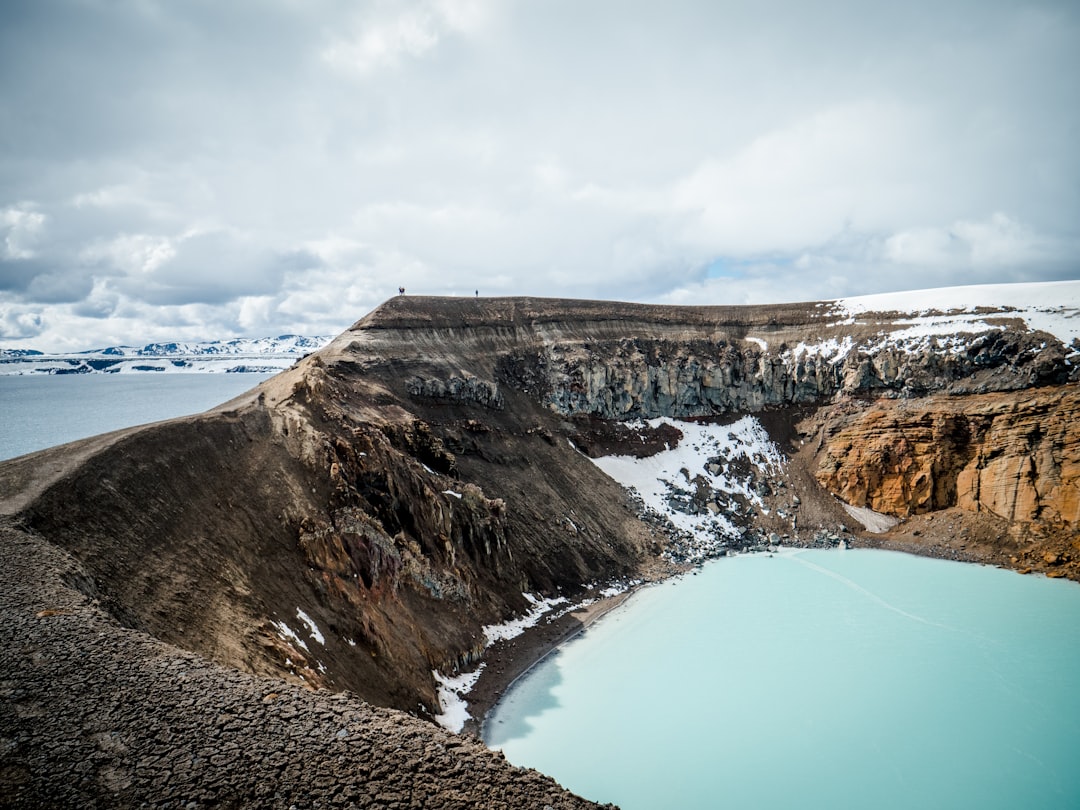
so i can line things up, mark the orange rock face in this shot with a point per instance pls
(1015, 455)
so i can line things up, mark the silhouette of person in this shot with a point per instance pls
(477, 293)
(401, 290)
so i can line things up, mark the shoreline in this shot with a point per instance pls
(508, 661)
(505, 662)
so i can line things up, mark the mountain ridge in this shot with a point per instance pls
(272, 354)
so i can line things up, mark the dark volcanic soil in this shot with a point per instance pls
(95, 715)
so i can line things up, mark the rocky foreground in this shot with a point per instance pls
(94, 714)
(208, 610)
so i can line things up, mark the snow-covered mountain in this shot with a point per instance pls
(1052, 306)
(945, 320)
(261, 355)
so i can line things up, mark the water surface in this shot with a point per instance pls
(45, 410)
(824, 679)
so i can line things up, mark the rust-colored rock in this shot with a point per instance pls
(1014, 455)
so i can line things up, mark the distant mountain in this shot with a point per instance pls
(261, 355)
(283, 345)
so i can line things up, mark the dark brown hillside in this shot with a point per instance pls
(205, 531)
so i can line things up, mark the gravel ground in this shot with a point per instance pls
(96, 715)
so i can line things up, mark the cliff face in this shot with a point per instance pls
(1015, 456)
(643, 378)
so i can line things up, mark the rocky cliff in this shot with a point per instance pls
(1015, 457)
(362, 520)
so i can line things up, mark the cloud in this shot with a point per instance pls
(273, 166)
(391, 33)
(858, 262)
(801, 184)
(22, 228)
(998, 241)
(203, 267)
(59, 286)
(19, 325)
(131, 254)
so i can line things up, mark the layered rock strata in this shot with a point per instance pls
(1013, 456)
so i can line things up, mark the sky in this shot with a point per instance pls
(198, 169)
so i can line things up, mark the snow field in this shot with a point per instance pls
(1052, 307)
(703, 458)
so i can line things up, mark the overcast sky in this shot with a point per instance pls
(193, 169)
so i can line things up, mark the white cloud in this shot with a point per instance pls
(132, 254)
(1001, 240)
(403, 31)
(23, 225)
(104, 197)
(285, 166)
(805, 182)
(384, 44)
(996, 241)
(19, 324)
(255, 313)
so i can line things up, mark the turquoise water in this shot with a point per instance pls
(815, 679)
(45, 410)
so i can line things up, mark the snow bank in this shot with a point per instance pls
(515, 627)
(287, 634)
(872, 521)
(1052, 307)
(452, 691)
(668, 481)
(313, 629)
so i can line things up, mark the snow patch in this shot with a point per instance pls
(618, 588)
(453, 690)
(831, 349)
(452, 702)
(718, 460)
(1052, 306)
(515, 627)
(873, 521)
(313, 629)
(451, 492)
(287, 634)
